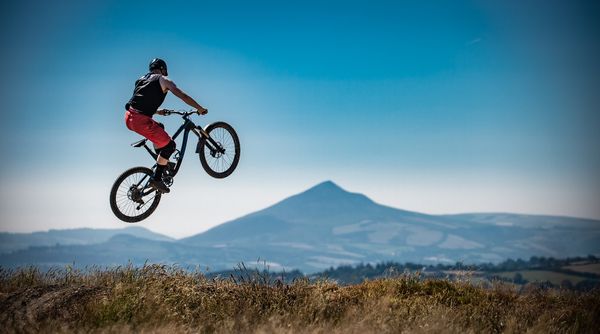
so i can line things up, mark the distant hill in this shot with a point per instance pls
(81, 236)
(327, 226)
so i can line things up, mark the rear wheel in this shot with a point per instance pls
(132, 199)
(220, 154)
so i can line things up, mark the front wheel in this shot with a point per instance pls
(220, 153)
(132, 199)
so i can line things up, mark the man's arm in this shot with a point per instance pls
(166, 83)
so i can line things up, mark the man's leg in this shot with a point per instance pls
(164, 146)
(161, 164)
(156, 133)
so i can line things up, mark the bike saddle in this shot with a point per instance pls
(139, 143)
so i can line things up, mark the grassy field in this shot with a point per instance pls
(553, 277)
(164, 299)
(593, 268)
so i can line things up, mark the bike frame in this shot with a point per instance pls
(187, 127)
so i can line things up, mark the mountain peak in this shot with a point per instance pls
(328, 186)
(321, 200)
(328, 191)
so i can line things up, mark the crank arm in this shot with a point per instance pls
(149, 191)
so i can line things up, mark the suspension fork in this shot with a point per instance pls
(213, 146)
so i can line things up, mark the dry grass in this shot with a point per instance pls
(166, 299)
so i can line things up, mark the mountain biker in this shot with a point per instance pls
(149, 93)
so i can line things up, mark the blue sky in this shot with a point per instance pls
(439, 107)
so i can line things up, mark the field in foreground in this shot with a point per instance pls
(164, 299)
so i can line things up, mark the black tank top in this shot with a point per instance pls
(147, 95)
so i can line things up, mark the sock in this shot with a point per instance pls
(158, 172)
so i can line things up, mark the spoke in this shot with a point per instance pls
(227, 140)
(123, 200)
(213, 162)
(223, 136)
(210, 159)
(226, 159)
(126, 208)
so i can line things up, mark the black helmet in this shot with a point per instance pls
(158, 63)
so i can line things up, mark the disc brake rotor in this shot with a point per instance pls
(219, 152)
(135, 194)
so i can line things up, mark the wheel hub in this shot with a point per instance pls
(218, 152)
(135, 194)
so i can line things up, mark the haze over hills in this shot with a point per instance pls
(81, 236)
(327, 226)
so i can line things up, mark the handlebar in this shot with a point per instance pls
(182, 113)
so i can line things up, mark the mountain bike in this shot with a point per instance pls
(133, 199)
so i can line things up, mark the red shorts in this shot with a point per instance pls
(147, 127)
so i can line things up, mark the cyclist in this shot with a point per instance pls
(149, 93)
